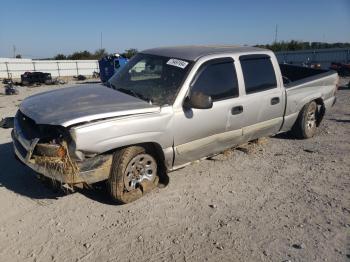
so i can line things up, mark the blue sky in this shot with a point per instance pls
(41, 28)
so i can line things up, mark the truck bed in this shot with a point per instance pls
(304, 85)
(297, 75)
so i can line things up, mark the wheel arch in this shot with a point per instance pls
(153, 146)
(158, 152)
(297, 128)
(321, 109)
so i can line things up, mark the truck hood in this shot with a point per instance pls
(73, 105)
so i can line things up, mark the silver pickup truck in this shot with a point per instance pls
(166, 108)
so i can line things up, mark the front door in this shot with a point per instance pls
(202, 132)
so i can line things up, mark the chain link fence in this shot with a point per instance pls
(58, 68)
(324, 57)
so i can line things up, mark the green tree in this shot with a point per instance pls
(100, 53)
(294, 45)
(82, 55)
(60, 57)
(130, 52)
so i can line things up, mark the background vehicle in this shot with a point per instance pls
(342, 69)
(30, 78)
(109, 65)
(167, 107)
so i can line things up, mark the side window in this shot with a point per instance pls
(217, 78)
(258, 73)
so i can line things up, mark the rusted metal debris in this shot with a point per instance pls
(56, 157)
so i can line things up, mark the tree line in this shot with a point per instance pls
(98, 54)
(294, 45)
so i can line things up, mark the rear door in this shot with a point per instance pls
(263, 101)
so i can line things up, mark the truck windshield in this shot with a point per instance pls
(155, 79)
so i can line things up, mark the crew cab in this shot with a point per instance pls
(166, 108)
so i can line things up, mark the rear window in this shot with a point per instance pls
(258, 73)
(217, 78)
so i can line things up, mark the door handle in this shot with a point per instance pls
(275, 100)
(236, 110)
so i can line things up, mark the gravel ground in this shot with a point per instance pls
(284, 200)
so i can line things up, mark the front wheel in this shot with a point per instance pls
(305, 126)
(133, 173)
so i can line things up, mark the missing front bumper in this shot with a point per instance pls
(91, 170)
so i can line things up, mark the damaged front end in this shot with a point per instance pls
(50, 151)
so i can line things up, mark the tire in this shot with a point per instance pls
(305, 126)
(133, 173)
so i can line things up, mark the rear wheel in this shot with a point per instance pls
(305, 126)
(133, 173)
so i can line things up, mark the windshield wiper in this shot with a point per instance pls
(135, 94)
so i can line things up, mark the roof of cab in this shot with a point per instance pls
(194, 52)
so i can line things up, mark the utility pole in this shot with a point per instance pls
(101, 41)
(276, 33)
(14, 51)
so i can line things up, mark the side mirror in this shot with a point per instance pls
(198, 100)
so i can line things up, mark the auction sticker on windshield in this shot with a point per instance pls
(177, 62)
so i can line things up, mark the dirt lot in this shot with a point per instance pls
(286, 200)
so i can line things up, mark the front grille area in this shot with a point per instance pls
(31, 130)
